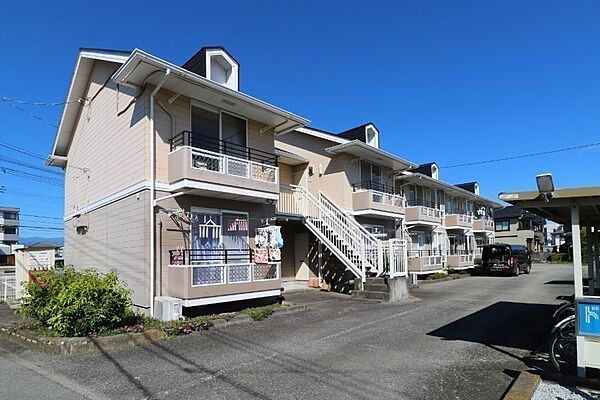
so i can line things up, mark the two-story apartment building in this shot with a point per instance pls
(169, 171)
(445, 223)
(390, 198)
(196, 191)
(517, 226)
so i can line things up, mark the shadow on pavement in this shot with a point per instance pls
(505, 327)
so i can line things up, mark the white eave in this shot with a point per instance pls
(79, 82)
(377, 156)
(426, 180)
(142, 67)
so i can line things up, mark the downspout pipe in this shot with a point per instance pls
(153, 192)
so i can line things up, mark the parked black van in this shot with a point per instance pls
(500, 257)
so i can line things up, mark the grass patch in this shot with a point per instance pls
(442, 276)
(260, 313)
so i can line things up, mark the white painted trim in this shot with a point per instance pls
(215, 187)
(323, 135)
(121, 194)
(371, 211)
(165, 187)
(230, 298)
(410, 225)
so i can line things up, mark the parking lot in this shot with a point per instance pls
(462, 339)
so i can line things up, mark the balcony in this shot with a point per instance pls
(421, 212)
(222, 169)
(458, 259)
(202, 277)
(376, 198)
(458, 219)
(483, 225)
(9, 237)
(425, 261)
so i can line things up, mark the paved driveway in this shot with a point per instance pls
(463, 339)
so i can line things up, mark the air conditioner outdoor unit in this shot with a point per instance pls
(167, 308)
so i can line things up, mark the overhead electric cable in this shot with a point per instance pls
(29, 113)
(22, 151)
(541, 153)
(37, 103)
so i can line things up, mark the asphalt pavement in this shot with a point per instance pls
(461, 339)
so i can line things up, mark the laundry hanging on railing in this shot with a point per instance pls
(268, 238)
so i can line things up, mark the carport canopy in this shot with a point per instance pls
(581, 208)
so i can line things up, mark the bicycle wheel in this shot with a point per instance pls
(564, 313)
(563, 349)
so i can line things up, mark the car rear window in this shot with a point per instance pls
(500, 253)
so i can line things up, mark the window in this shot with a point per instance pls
(233, 131)
(370, 172)
(205, 129)
(378, 231)
(502, 226)
(10, 230)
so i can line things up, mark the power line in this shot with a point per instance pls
(541, 153)
(34, 195)
(28, 113)
(22, 151)
(29, 165)
(34, 103)
(32, 176)
(45, 228)
(40, 216)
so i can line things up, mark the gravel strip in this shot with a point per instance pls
(547, 391)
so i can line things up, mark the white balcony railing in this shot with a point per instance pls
(431, 212)
(233, 166)
(394, 200)
(225, 274)
(287, 203)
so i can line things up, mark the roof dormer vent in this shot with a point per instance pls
(216, 64)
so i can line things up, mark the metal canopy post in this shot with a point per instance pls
(578, 277)
(590, 260)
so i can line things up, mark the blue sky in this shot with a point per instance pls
(451, 82)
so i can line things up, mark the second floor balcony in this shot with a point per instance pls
(423, 212)
(372, 197)
(483, 225)
(221, 168)
(458, 219)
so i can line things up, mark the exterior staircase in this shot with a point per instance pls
(360, 252)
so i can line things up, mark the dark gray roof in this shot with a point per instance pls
(424, 169)
(470, 186)
(356, 133)
(516, 212)
(197, 63)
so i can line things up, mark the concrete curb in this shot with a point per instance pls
(84, 345)
(523, 387)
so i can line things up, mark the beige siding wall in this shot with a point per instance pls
(180, 110)
(108, 146)
(340, 171)
(117, 237)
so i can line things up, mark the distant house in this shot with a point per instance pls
(517, 226)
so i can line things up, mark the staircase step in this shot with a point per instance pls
(368, 295)
(377, 281)
(376, 287)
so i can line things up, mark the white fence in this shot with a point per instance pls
(8, 289)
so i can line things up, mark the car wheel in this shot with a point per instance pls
(515, 271)
(528, 268)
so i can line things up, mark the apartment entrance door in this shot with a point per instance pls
(301, 255)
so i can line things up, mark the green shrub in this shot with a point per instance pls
(436, 276)
(78, 303)
(558, 258)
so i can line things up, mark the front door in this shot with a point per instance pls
(301, 254)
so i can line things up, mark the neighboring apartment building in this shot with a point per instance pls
(517, 226)
(176, 178)
(390, 197)
(9, 236)
(9, 225)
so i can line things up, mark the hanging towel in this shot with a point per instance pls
(261, 256)
(277, 238)
(275, 255)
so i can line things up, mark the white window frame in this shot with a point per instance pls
(216, 110)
